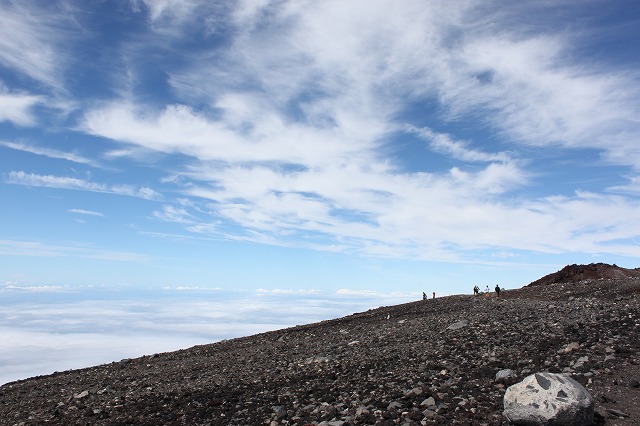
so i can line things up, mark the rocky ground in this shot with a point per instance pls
(427, 362)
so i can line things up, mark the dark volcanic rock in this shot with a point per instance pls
(393, 365)
(593, 271)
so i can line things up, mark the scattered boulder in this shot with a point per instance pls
(548, 399)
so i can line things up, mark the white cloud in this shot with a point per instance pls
(268, 138)
(278, 291)
(37, 288)
(633, 186)
(41, 249)
(64, 182)
(362, 209)
(443, 143)
(288, 127)
(33, 40)
(176, 11)
(190, 288)
(48, 152)
(182, 216)
(86, 212)
(16, 108)
(416, 215)
(536, 95)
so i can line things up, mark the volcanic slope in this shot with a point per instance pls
(426, 362)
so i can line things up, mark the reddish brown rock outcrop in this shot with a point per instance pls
(593, 271)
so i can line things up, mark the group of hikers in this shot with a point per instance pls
(424, 295)
(476, 292)
(487, 292)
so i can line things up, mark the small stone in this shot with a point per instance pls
(430, 403)
(505, 374)
(428, 414)
(580, 362)
(279, 410)
(81, 395)
(394, 405)
(361, 412)
(413, 392)
(570, 347)
(458, 325)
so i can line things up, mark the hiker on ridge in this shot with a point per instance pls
(476, 290)
(497, 290)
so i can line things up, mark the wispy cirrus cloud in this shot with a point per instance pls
(460, 150)
(283, 128)
(43, 249)
(34, 40)
(16, 108)
(633, 186)
(86, 212)
(295, 152)
(64, 182)
(531, 91)
(51, 153)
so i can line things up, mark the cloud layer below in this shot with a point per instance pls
(81, 328)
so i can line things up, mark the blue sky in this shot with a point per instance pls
(338, 146)
(316, 144)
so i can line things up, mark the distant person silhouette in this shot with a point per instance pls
(497, 290)
(424, 296)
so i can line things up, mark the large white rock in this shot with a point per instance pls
(548, 399)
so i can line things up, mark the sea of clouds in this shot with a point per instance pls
(56, 328)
